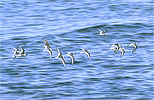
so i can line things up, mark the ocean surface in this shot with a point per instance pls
(71, 25)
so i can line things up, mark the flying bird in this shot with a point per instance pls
(15, 53)
(47, 47)
(101, 32)
(116, 45)
(122, 51)
(72, 57)
(49, 51)
(134, 45)
(22, 51)
(86, 52)
(60, 56)
(115, 49)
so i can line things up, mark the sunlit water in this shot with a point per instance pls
(71, 25)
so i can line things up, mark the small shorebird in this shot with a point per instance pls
(134, 45)
(50, 52)
(46, 42)
(72, 57)
(115, 49)
(101, 32)
(15, 53)
(22, 51)
(86, 52)
(47, 47)
(122, 51)
(116, 45)
(60, 56)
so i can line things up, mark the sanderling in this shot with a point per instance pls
(115, 49)
(50, 52)
(22, 51)
(15, 53)
(72, 57)
(86, 52)
(47, 47)
(122, 51)
(60, 56)
(116, 45)
(134, 45)
(46, 42)
(101, 32)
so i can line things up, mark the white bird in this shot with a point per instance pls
(47, 47)
(86, 52)
(116, 45)
(22, 51)
(46, 42)
(134, 45)
(49, 51)
(15, 53)
(72, 57)
(122, 51)
(101, 32)
(60, 56)
(115, 49)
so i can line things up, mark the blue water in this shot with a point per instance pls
(71, 25)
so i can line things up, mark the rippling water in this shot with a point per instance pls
(72, 25)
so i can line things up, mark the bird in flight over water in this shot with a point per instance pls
(134, 45)
(86, 52)
(102, 32)
(72, 57)
(60, 56)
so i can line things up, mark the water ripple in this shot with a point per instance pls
(70, 26)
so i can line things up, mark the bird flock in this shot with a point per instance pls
(18, 53)
(115, 47)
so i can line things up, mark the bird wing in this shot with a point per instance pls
(63, 61)
(50, 52)
(45, 42)
(59, 53)
(88, 54)
(72, 59)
